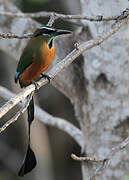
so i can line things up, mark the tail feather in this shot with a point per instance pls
(29, 161)
(30, 111)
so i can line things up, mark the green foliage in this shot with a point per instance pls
(126, 177)
(37, 1)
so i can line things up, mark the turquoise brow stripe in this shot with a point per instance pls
(43, 27)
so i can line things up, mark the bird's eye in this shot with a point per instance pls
(45, 32)
(48, 31)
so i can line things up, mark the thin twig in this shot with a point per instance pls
(76, 46)
(11, 36)
(50, 120)
(52, 20)
(89, 159)
(64, 16)
(53, 17)
(21, 111)
(60, 66)
(58, 15)
(105, 163)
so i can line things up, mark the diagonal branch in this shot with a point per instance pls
(48, 119)
(61, 124)
(106, 161)
(61, 65)
(51, 20)
(20, 112)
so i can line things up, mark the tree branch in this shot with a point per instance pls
(54, 16)
(25, 36)
(22, 110)
(51, 20)
(88, 159)
(61, 65)
(105, 162)
(59, 16)
(46, 118)
(98, 18)
(11, 36)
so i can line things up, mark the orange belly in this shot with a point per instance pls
(38, 66)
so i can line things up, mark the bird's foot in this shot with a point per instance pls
(36, 85)
(46, 76)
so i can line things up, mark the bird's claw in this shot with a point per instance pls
(46, 76)
(36, 85)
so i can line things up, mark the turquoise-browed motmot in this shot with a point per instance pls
(35, 59)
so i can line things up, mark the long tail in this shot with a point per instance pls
(29, 161)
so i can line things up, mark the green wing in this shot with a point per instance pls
(30, 54)
(26, 58)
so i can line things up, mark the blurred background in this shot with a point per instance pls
(53, 147)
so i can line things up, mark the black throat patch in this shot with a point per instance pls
(50, 43)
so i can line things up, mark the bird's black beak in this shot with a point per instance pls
(60, 32)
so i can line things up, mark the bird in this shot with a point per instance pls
(36, 57)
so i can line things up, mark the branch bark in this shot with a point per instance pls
(44, 117)
(8, 123)
(59, 16)
(103, 164)
(109, 157)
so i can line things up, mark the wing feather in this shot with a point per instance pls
(26, 58)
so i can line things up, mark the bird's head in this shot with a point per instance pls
(49, 32)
